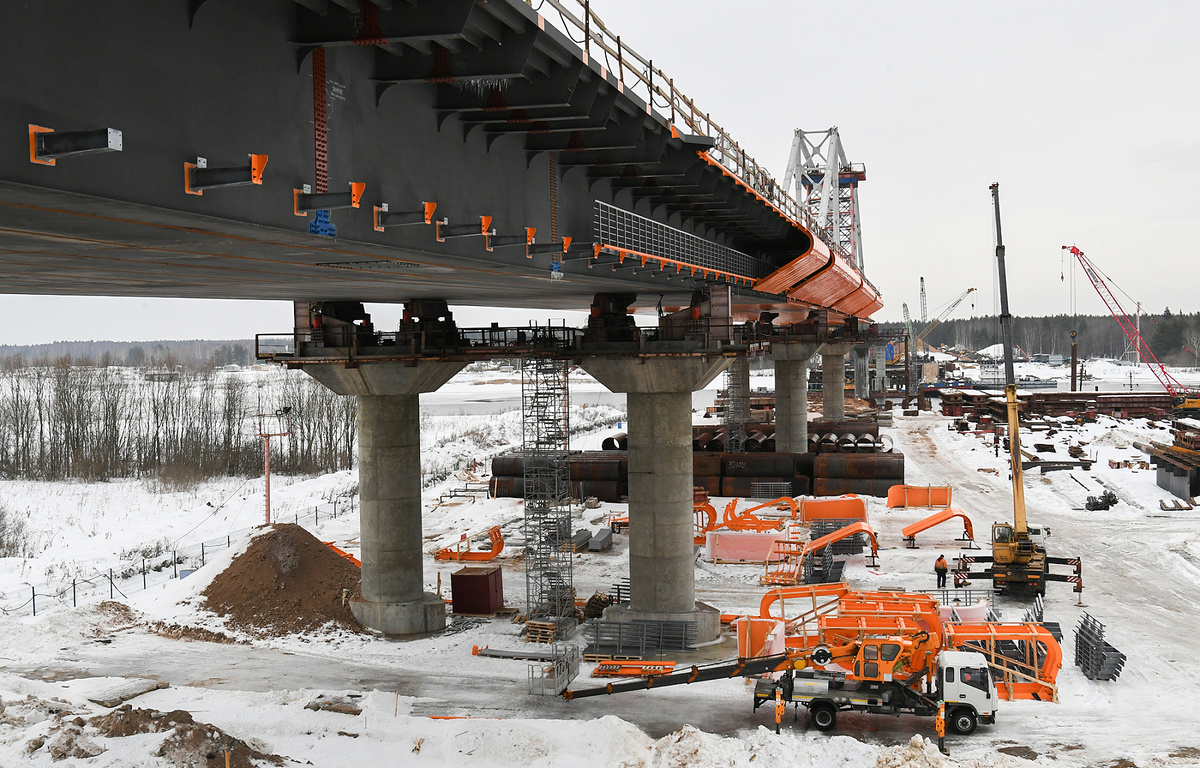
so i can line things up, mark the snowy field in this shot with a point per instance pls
(1141, 570)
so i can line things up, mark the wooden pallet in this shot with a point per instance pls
(597, 658)
(540, 631)
(633, 669)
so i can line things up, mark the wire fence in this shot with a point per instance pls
(130, 576)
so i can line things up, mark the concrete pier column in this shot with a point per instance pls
(393, 598)
(833, 380)
(862, 372)
(791, 394)
(661, 554)
(881, 371)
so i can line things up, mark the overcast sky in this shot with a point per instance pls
(1087, 113)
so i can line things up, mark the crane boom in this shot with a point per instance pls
(1169, 382)
(1020, 528)
(942, 317)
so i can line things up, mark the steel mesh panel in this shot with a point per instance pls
(624, 229)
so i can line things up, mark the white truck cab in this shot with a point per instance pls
(965, 684)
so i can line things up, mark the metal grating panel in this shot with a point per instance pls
(623, 229)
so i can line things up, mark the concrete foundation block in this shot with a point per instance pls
(415, 617)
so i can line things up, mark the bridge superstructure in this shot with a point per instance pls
(428, 152)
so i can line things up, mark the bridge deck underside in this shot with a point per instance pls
(481, 107)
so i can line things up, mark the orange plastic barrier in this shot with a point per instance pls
(343, 553)
(937, 518)
(459, 554)
(845, 507)
(919, 496)
(1034, 677)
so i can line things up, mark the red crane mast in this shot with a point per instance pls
(1169, 382)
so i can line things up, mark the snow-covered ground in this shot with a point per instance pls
(1141, 570)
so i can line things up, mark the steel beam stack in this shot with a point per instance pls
(1097, 659)
(545, 401)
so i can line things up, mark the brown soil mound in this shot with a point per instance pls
(285, 582)
(189, 745)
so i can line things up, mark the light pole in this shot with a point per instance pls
(277, 424)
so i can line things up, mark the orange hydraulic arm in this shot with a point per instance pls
(937, 518)
(458, 553)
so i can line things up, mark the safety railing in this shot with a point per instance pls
(637, 74)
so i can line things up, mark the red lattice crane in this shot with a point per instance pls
(1178, 391)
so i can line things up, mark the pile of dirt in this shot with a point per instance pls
(285, 582)
(188, 745)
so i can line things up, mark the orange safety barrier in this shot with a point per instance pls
(919, 496)
(937, 518)
(633, 668)
(845, 507)
(459, 554)
(344, 553)
(617, 523)
(1034, 676)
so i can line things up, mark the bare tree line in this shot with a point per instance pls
(1174, 338)
(61, 420)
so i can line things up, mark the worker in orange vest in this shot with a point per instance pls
(940, 567)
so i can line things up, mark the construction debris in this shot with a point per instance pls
(1104, 501)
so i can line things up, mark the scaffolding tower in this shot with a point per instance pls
(545, 400)
(737, 404)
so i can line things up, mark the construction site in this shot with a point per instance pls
(726, 516)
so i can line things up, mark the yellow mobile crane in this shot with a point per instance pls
(1020, 565)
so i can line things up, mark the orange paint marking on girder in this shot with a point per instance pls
(622, 253)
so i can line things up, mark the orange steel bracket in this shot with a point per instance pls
(356, 192)
(296, 202)
(187, 180)
(375, 211)
(429, 209)
(257, 164)
(456, 553)
(34, 130)
(437, 230)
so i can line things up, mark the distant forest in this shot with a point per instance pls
(1174, 338)
(194, 353)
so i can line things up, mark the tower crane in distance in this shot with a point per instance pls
(935, 322)
(1182, 398)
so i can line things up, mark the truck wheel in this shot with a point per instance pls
(963, 722)
(823, 716)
